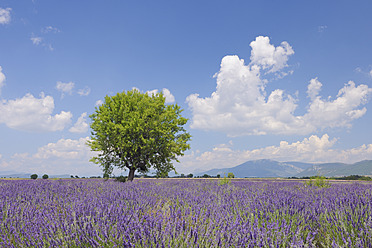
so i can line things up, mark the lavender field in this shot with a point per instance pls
(183, 213)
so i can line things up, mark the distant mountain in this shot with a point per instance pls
(60, 176)
(14, 174)
(271, 168)
(339, 169)
(264, 168)
(261, 168)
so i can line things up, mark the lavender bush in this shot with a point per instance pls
(183, 213)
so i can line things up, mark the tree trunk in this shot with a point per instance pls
(131, 174)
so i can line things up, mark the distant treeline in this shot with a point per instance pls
(230, 175)
(352, 177)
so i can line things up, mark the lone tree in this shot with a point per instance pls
(135, 131)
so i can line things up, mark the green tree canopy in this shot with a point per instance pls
(230, 175)
(135, 131)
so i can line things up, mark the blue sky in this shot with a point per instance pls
(290, 81)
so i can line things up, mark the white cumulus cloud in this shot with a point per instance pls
(341, 111)
(313, 88)
(240, 104)
(66, 156)
(33, 114)
(81, 125)
(65, 149)
(65, 87)
(5, 15)
(169, 98)
(268, 56)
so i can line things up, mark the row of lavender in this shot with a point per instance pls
(183, 213)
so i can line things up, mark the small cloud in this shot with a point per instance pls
(81, 125)
(39, 40)
(322, 28)
(2, 79)
(5, 15)
(49, 47)
(169, 98)
(152, 92)
(36, 40)
(65, 88)
(365, 72)
(50, 29)
(99, 102)
(84, 92)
